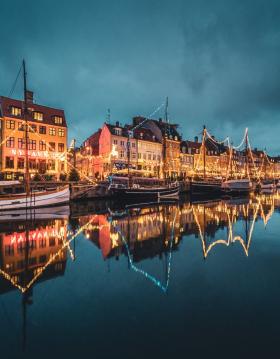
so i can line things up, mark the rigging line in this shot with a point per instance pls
(14, 84)
(214, 140)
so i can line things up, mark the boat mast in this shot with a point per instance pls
(204, 152)
(246, 154)
(25, 112)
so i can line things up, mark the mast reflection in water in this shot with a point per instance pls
(162, 246)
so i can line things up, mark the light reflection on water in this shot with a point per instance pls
(37, 253)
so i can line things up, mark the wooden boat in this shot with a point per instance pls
(15, 195)
(238, 186)
(205, 186)
(151, 193)
(34, 199)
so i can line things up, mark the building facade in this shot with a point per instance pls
(47, 139)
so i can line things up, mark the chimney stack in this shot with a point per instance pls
(196, 139)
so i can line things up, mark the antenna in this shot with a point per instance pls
(108, 117)
(166, 111)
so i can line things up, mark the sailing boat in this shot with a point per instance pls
(239, 186)
(267, 185)
(205, 185)
(29, 199)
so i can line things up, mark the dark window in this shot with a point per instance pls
(61, 147)
(33, 128)
(21, 163)
(52, 146)
(42, 130)
(9, 162)
(32, 164)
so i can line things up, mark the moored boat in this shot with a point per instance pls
(152, 193)
(267, 185)
(238, 186)
(34, 199)
(205, 186)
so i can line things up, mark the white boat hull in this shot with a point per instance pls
(36, 200)
(241, 186)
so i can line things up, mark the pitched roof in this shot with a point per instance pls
(48, 112)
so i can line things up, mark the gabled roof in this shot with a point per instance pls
(48, 112)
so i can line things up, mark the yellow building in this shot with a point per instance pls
(47, 139)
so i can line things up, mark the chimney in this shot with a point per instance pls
(117, 123)
(29, 96)
(196, 139)
(160, 120)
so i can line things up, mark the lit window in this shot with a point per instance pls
(10, 124)
(21, 143)
(61, 132)
(38, 116)
(32, 144)
(20, 163)
(58, 120)
(52, 131)
(15, 111)
(42, 146)
(10, 142)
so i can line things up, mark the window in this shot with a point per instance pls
(9, 162)
(42, 130)
(32, 144)
(133, 155)
(15, 111)
(10, 142)
(21, 126)
(144, 156)
(133, 144)
(52, 131)
(42, 146)
(20, 163)
(33, 128)
(38, 116)
(115, 142)
(32, 164)
(122, 143)
(61, 132)
(51, 165)
(154, 157)
(118, 131)
(139, 156)
(21, 143)
(10, 124)
(149, 156)
(61, 147)
(158, 157)
(122, 154)
(57, 120)
(9, 250)
(52, 146)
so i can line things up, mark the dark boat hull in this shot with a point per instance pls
(205, 187)
(149, 193)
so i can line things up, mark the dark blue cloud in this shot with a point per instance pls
(219, 62)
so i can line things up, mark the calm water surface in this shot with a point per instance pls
(172, 280)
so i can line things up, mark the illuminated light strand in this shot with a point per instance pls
(164, 288)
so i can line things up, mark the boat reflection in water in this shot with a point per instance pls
(37, 250)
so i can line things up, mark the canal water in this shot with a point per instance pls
(187, 279)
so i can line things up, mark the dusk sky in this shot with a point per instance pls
(218, 61)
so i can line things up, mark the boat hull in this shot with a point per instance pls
(36, 200)
(205, 187)
(238, 187)
(150, 194)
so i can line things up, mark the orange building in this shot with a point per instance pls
(47, 139)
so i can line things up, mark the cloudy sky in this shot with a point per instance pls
(218, 61)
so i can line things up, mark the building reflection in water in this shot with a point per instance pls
(36, 251)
